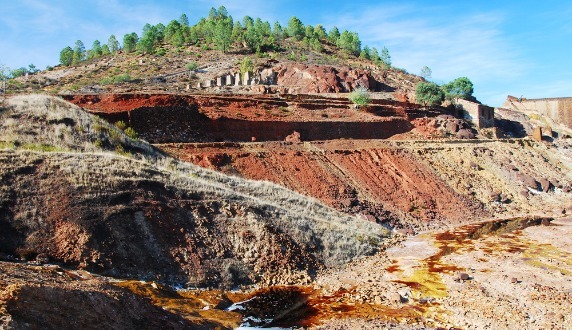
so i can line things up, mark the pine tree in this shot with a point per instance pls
(222, 33)
(184, 20)
(105, 50)
(113, 44)
(66, 56)
(296, 28)
(334, 35)
(78, 52)
(149, 39)
(385, 57)
(95, 50)
(130, 42)
(320, 32)
(349, 42)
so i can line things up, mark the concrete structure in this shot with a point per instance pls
(229, 80)
(480, 115)
(246, 78)
(557, 109)
(219, 82)
(237, 80)
(209, 83)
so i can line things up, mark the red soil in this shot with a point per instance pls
(380, 183)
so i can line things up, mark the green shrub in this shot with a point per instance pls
(192, 66)
(429, 94)
(131, 133)
(360, 96)
(98, 128)
(121, 125)
(98, 143)
(115, 79)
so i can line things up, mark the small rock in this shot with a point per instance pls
(544, 184)
(528, 181)
(294, 137)
(405, 292)
(514, 280)
(42, 258)
(464, 276)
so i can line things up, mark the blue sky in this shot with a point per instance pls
(504, 47)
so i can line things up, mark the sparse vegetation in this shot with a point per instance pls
(121, 125)
(116, 79)
(192, 66)
(360, 97)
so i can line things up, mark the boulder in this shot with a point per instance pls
(465, 133)
(294, 137)
(452, 126)
(544, 184)
(464, 277)
(528, 181)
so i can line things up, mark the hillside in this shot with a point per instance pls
(218, 175)
(149, 216)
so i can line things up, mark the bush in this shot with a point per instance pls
(192, 66)
(121, 125)
(116, 79)
(131, 133)
(429, 94)
(360, 96)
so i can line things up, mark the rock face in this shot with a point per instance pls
(173, 118)
(302, 78)
(400, 183)
(56, 301)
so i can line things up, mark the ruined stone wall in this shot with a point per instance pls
(557, 109)
(480, 115)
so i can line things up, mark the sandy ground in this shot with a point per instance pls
(517, 279)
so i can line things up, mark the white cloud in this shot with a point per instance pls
(469, 45)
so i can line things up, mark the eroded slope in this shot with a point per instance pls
(148, 216)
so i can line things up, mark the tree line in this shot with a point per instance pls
(220, 31)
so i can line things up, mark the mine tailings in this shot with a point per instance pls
(295, 306)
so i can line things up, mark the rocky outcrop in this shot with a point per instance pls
(303, 78)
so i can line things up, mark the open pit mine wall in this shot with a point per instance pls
(557, 109)
(184, 119)
(187, 125)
